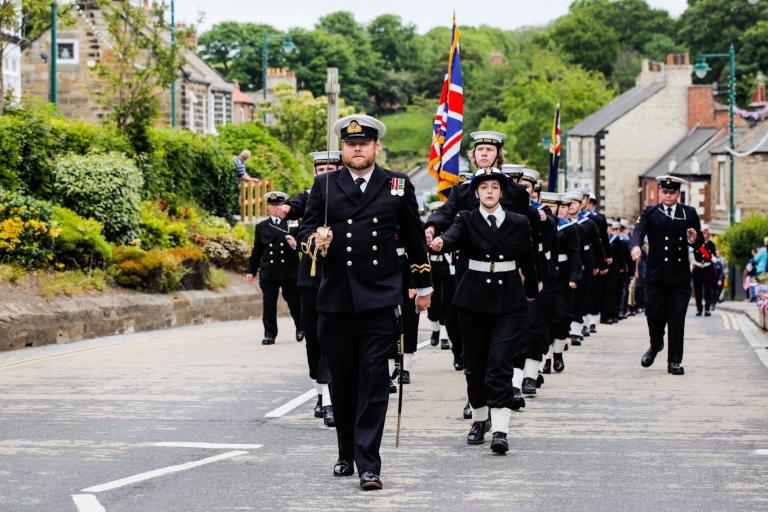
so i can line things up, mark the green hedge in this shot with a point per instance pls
(737, 242)
(80, 243)
(27, 232)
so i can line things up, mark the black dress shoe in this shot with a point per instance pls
(299, 335)
(707, 313)
(565, 348)
(698, 313)
(477, 432)
(593, 329)
(518, 401)
(499, 443)
(648, 358)
(529, 386)
(392, 386)
(575, 340)
(547, 367)
(445, 344)
(539, 380)
(585, 332)
(557, 362)
(435, 339)
(370, 481)
(319, 407)
(328, 420)
(467, 412)
(675, 369)
(458, 364)
(406, 377)
(268, 340)
(343, 468)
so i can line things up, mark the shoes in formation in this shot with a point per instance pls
(707, 313)
(540, 379)
(268, 340)
(585, 331)
(576, 340)
(458, 364)
(648, 358)
(477, 432)
(547, 367)
(299, 335)
(343, 467)
(499, 443)
(319, 407)
(593, 329)
(557, 362)
(445, 344)
(698, 313)
(406, 377)
(517, 399)
(675, 369)
(529, 386)
(370, 481)
(435, 339)
(467, 413)
(392, 386)
(328, 420)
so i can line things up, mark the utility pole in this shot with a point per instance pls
(54, 92)
(173, 84)
(332, 89)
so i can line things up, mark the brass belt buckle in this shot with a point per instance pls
(493, 267)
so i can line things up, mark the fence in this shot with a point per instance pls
(253, 208)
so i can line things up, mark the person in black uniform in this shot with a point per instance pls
(442, 282)
(409, 322)
(491, 297)
(486, 152)
(617, 272)
(671, 228)
(589, 205)
(275, 259)
(704, 274)
(323, 161)
(366, 206)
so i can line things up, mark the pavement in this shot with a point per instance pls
(205, 418)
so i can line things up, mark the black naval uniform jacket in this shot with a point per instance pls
(272, 257)
(493, 292)
(700, 257)
(298, 205)
(568, 255)
(546, 252)
(461, 198)
(602, 228)
(593, 254)
(362, 270)
(667, 242)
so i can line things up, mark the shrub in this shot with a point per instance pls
(158, 230)
(72, 282)
(227, 252)
(26, 231)
(738, 240)
(80, 243)
(218, 279)
(196, 263)
(106, 187)
(159, 270)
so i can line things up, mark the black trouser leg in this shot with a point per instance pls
(410, 325)
(539, 316)
(656, 315)
(476, 332)
(508, 337)
(308, 299)
(623, 295)
(596, 295)
(269, 291)
(435, 312)
(561, 312)
(698, 284)
(357, 347)
(678, 298)
(708, 286)
(291, 297)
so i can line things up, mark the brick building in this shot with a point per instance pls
(203, 97)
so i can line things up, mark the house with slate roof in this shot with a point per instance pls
(610, 149)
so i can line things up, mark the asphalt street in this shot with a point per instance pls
(205, 418)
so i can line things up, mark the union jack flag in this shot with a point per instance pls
(449, 119)
(554, 152)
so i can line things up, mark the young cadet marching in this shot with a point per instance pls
(275, 259)
(366, 207)
(704, 274)
(540, 310)
(442, 323)
(323, 161)
(486, 153)
(589, 205)
(569, 271)
(492, 299)
(593, 261)
(617, 272)
(671, 228)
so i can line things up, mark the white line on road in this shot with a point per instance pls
(761, 452)
(161, 472)
(734, 323)
(286, 408)
(87, 503)
(212, 446)
(726, 320)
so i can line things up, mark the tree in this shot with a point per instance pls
(394, 42)
(587, 41)
(712, 25)
(753, 55)
(139, 66)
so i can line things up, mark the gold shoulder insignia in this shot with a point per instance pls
(354, 127)
(420, 269)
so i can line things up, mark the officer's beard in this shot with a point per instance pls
(360, 164)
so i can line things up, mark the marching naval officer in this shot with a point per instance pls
(275, 259)
(671, 228)
(492, 300)
(368, 208)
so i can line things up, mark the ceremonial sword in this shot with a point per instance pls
(400, 358)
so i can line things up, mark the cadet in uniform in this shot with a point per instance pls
(491, 297)
(442, 282)
(671, 228)
(589, 205)
(323, 161)
(704, 274)
(275, 259)
(617, 272)
(361, 286)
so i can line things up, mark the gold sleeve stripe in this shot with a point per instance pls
(418, 269)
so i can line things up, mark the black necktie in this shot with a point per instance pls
(492, 220)
(359, 182)
(277, 221)
(669, 211)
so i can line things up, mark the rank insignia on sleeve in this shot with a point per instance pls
(397, 186)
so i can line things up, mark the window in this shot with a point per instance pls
(721, 185)
(68, 51)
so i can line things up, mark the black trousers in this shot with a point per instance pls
(596, 294)
(269, 293)
(437, 308)
(611, 295)
(561, 311)
(410, 325)
(358, 346)
(491, 343)
(539, 319)
(666, 305)
(703, 287)
(444, 311)
(316, 359)
(581, 296)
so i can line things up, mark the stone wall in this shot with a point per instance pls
(65, 320)
(751, 187)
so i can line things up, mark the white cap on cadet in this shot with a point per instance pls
(488, 137)
(550, 197)
(531, 175)
(573, 195)
(323, 157)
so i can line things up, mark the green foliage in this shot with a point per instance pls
(217, 280)
(106, 187)
(158, 230)
(738, 241)
(191, 166)
(269, 159)
(227, 252)
(752, 57)
(26, 231)
(80, 243)
(72, 282)
(409, 135)
(160, 270)
(11, 274)
(588, 42)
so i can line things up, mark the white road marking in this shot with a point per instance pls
(733, 321)
(115, 484)
(726, 320)
(87, 503)
(212, 446)
(761, 452)
(286, 408)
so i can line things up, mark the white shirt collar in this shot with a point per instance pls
(498, 213)
(366, 176)
(276, 220)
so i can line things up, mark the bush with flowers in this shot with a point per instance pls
(27, 231)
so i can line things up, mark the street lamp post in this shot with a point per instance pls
(288, 47)
(173, 84)
(701, 68)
